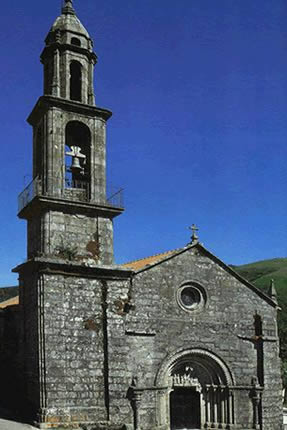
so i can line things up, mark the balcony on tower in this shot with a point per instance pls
(73, 192)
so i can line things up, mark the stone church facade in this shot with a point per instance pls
(174, 341)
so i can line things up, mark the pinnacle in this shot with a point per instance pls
(68, 8)
(272, 290)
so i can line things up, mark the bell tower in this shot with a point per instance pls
(64, 283)
(66, 204)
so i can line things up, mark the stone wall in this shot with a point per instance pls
(11, 370)
(157, 327)
(30, 353)
(58, 233)
(65, 343)
(107, 341)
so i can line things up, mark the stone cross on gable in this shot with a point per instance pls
(194, 229)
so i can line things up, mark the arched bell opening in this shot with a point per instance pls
(76, 81)
(78, 157)
(199, 393)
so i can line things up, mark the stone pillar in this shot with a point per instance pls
(256, 398)
(135, 402)
(91, 95)
(212, 406)
(207, 408)
(229, 409)
(66, 75)
(215, 407)
(223, 406)
(56, 75)
(163, 416)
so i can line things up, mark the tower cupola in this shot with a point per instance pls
(68, 59)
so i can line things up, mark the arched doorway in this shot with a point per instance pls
(199, 393)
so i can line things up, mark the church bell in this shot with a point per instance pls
(76, 166)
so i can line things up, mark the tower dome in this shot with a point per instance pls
(67, 26)
(69, 59)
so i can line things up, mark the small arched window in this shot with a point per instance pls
(76, 81)
(75, 41)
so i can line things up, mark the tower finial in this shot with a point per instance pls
(68, 8)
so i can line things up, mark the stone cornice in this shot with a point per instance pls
(55, 265)
(50, 49)
(45, 103)
(40, 203)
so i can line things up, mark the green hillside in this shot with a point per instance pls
(260, 274)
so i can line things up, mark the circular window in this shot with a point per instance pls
(191, 297)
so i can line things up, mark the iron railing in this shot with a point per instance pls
(75, 183)
(29, 193)
(73, 190)
(115, 197)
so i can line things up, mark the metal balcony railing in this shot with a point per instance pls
(115, 197)
(29, 193)
(74, 190)
(75, 183)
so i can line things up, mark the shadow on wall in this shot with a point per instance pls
(11, 383)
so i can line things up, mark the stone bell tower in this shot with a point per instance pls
(66, 205)
(63, 283)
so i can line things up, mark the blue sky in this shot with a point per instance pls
(198, 89)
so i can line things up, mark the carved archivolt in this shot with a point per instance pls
(199, 355)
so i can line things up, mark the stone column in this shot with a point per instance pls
(229, 409)
(223, 406)
(91, 95)
(256, 402)
(56, 75)
(162, 399)
(215, 407)
(135, 401)
(207, 408)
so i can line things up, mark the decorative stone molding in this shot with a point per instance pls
(191, 296)
(165, 371)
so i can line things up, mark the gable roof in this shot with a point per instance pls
(147, 263)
